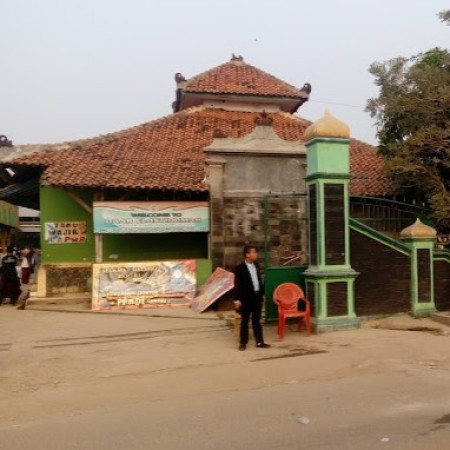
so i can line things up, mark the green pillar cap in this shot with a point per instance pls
(327, 126)
(418, 230)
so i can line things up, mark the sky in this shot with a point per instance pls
(76, 69)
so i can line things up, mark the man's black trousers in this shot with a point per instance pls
(252, 307)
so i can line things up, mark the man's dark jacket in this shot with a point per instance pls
(243, 285)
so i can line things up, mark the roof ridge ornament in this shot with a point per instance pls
(237, 58)
(264, 120)
(4, 141)
(179, 78)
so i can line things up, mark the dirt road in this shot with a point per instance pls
(82, 381)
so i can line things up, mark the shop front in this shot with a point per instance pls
(83, 239)
(173, 232)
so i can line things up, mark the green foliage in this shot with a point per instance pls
(445, 16)
(412, 114)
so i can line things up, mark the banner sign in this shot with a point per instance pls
(65, 232)
(220, 282)
(150, 217)
(143, 284)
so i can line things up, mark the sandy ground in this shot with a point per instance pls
(81, 373)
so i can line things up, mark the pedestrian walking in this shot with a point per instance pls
(248, 290)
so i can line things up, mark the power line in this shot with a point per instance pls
(337, 104)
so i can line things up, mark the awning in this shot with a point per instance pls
(22, 194)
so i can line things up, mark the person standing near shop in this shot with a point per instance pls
(10, 283)
(248, 291)
(26, 264)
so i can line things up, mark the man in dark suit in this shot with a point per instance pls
(248, 290)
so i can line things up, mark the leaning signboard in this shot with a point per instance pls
(143, 284)
(150, 217)
(220, 282)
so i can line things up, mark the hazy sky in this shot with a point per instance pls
(75, 69)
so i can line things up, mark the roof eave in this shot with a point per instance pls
(188, 99)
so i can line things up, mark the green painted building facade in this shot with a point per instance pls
(62, 205)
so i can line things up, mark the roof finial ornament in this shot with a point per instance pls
(217, 133)
(179, 78)
(4, 141)
(306, 88)
(237, 58)
(264, 120)
(418, 230)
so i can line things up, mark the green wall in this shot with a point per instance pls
(57, 205)
(326, 155)
(156, 247)
(204, 271)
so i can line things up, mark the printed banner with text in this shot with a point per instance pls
(143, 284)
(150, 217)
(65, 232)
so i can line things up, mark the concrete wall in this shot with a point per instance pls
(258, 173)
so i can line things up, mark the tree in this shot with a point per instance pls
(412, 114)
(445, 16)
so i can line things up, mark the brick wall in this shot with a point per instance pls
(442, 284)
(383, 284)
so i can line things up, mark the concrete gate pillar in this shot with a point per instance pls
(215, 172)
(421, 238)
(329, 277)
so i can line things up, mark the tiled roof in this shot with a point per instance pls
(238, 77)
(367, 170)
(168, 153)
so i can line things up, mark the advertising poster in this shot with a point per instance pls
(65, 232)
(143, 284)
(151, 217)
(220, 282)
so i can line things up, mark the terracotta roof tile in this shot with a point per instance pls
(238, 77)
(367, 170)
(168, 153)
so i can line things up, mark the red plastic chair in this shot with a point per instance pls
(287, 296)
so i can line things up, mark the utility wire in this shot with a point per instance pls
(337, 104)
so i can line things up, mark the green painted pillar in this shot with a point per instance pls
(329, 277)
(421, 239)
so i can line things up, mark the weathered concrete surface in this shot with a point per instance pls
(85, 381)
(84, 307)
(442, 317)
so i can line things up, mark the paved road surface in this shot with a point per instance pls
(71, 382)
(407, 412)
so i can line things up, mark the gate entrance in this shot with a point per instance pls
(286, 243)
